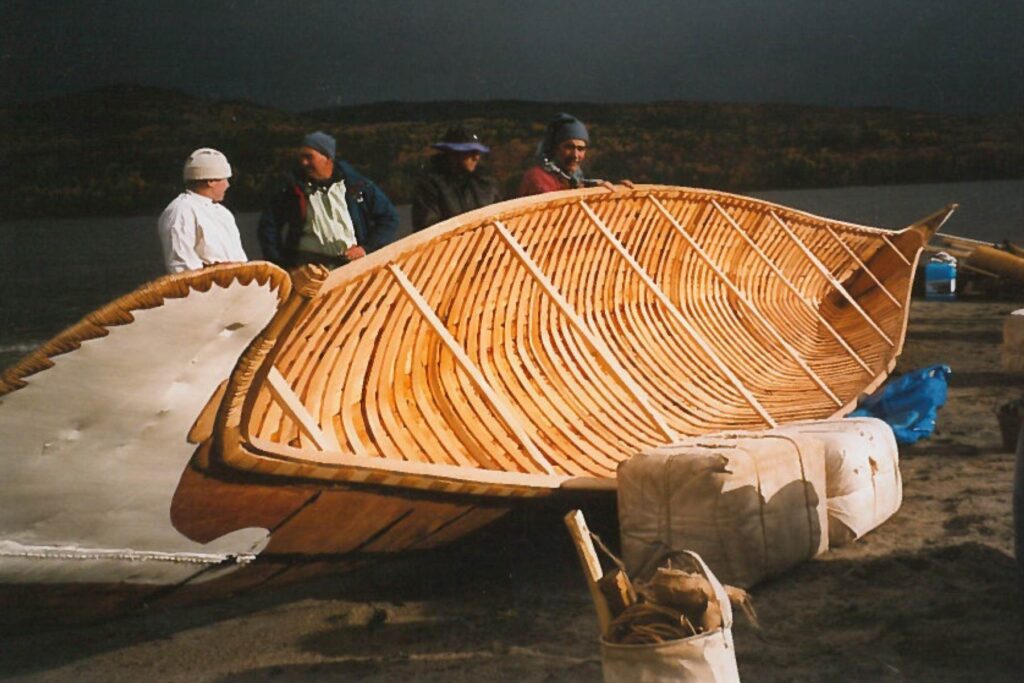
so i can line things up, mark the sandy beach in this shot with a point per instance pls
(930, 596)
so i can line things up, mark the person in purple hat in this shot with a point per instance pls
(452, 183)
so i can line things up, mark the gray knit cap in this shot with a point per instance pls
(321, 142)
(564, 127)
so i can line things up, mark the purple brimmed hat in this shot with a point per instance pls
(458, 139)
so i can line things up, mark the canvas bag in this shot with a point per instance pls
(752, 504)
(862, 473)
(705, 658)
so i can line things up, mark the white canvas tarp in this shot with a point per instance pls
(92, 448)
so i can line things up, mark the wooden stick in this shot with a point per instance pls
(887, 240)
(596, 344)
(793, 288)
(863, 266)
(293, 407)
(577, 526)
(742, 297)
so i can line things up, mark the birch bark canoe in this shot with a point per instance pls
(535, 344)
(404, 400)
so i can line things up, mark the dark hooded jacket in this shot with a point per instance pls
(443, 192)
(374, 217)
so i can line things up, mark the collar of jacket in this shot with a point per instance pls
(575, 179)
(342, 171)
(302, 187)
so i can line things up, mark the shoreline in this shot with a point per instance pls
(828, 193)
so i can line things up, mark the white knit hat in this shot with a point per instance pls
(206, 164)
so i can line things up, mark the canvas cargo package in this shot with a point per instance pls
(752, 504)
(862, 473)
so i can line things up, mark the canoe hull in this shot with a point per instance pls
(538, 343)
(312, 532)
(235, 428)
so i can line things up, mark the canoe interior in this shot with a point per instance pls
(537, 343)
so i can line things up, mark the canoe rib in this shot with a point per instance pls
(863, 266)
(596, 345)
(816, 262)
(537, 343)
(467, 365)
(777, 272)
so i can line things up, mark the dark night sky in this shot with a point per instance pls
(937, 55)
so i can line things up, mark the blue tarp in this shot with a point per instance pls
(909, 402)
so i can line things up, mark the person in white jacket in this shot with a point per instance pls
(195, 229)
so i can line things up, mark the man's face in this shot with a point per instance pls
(569, 154)
(467, 161)
(217, 189)
(315, 165)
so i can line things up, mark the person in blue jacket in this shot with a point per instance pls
(326, 213)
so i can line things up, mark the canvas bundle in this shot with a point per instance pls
(862, 473)
(751, 504)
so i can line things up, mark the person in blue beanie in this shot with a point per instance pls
(560, 159)
(325, 213)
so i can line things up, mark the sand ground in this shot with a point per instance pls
(932, 595)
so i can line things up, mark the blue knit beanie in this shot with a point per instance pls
(321, 142)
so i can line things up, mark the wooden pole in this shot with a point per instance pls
(591, 566)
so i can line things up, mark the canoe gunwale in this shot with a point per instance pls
(453, 227)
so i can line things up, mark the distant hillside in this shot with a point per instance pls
(119, 150)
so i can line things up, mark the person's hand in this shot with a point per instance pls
(355, 252)
(611, 187)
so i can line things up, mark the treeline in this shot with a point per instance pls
(119, 150)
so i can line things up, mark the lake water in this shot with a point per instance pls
(53, 272)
